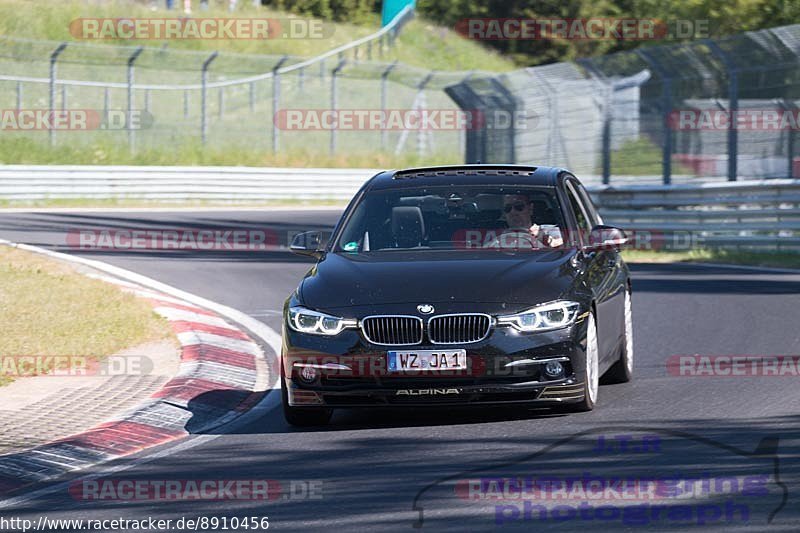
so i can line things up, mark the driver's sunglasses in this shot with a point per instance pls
(518, 206)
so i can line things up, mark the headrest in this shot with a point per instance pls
(542, 213)
(408, 226)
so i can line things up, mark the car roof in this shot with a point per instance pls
(469, 175)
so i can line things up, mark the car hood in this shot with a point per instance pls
(365, 280)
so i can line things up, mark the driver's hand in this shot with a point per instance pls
(554, 242)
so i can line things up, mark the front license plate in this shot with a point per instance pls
(419, 360)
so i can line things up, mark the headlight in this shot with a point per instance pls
(552, 315)
(308, 321)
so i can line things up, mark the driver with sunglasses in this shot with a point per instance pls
(520, 231)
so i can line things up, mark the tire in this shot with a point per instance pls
(591, 381)
(303, 416)
(622, 371)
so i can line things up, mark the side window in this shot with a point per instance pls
(584, 225)
(594, 216)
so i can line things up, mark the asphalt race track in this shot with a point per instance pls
(387, 470)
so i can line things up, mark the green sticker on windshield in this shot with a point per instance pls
(351, 246)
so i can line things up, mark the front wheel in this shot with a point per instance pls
(622, 371)
(303, 416)
(591, 381)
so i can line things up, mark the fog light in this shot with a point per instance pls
(553, 369)
(308, 374)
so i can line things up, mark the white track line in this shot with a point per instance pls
(179, 315)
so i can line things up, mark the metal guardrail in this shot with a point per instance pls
(748, 214)
(25, 183)
(761, 214)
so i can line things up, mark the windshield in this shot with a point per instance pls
(454, 217)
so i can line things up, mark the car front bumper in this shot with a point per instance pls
(506, 367)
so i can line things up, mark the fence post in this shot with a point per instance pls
(53, 59)
(147, 100)
(129, 116)
(607, 136)
(204, 97)
(666, 109)
(106, 100)
(790, 150)
(186, 104)
(608, 92)
(19, 95)
(334, 74)
(276, 101)
(384, 96)
(733, 107)
(733, 132)
(788, 107)
(300, 75)
(469, 123)
(423, 135)
(252, 96)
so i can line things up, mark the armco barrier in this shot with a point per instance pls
(20, 183)
(746, 214)
(763, 214)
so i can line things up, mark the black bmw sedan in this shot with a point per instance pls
(476, 284)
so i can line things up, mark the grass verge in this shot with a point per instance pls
(641, 157)
(704, 255)
(47, 308)
(421, 43)
(28, 151)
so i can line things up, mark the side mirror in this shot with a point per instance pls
(307, 243)
(606, 238)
